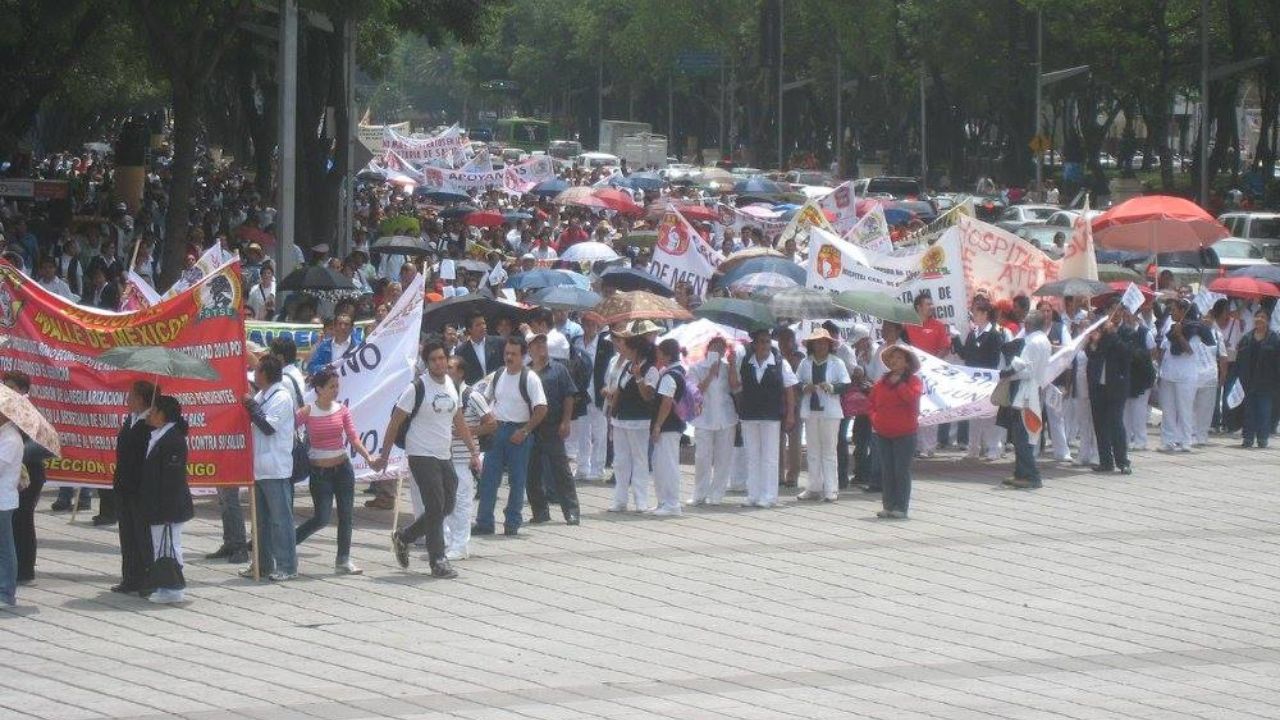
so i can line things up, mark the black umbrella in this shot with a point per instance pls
(456, 310)
(457, 212)
(316, 277)
(631, 279)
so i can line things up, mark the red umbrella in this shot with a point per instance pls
(1244, 287)
(690, 211)
(1155, 224)
(484, 218)
(581, 196)
(1119, 287)
(619, 201)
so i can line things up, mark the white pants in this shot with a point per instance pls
(738, 480)
(666, 472)
(1083, 414)
(820, 434)
(713, 458)
(157, 536)
(1177, 404)
(927, 439)
(1060, 427)
(1135, 420)
(631, 468)
(985, 435)
(592, 432)
(457, 526)
(1202, 413)
(760, 441)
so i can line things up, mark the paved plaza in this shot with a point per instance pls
(1151, 596)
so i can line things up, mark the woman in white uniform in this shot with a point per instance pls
(667, 429)
(823, 378)
(714, 427)
(633, 407)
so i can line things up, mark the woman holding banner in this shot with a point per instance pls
(332, 435)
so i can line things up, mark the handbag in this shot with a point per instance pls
(1002, 395)
(855, 402)
(301, 456)
(165, 571)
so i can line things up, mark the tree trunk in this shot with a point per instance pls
(186, 118)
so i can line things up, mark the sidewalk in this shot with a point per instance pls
(1149, 596)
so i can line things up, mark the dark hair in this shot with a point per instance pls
(1022, 302)
(322, 377)
(643, 349)
(919, 300)
(542, 315)
(284, 348)
(19, 380)
(471, 319)
(670, 349)
(272, 368)
(431, 345)
(832, 328)
(172, 410)
(518, 340)
(146, 390)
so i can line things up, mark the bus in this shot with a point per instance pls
(524, 133)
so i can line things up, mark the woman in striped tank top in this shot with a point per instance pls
(330, 429)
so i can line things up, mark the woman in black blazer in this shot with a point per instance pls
(165, 497)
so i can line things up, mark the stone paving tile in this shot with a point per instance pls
(1149, 596)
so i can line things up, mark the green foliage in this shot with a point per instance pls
(399, 225)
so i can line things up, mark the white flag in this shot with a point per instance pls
(1132, 298)
(681, 255)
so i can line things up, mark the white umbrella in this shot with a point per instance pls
(694, 337)
(589, 252)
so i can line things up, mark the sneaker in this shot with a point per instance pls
(750, 504)
(1126, 470)
(60, 505)
(240, 556)
(100, 520)
(830, 498)
(247, 572)
(1184, 448)
(381, 503)
(808, 495)
(282, 576)
(456, 555)
(442, 569)
(696, 502)
(883, 514)
(167, 597)
(346, 567)
(666, 511)
(401, 549)
(616, 508)
(1168, 448)
(478, 530)
(897, 515)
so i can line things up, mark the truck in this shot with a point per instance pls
(612, 131)
(643, 150)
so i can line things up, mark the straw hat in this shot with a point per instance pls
(819, 333)
(638, 328)
(913, 362)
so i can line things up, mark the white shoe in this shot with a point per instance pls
(247, 572)
(807, 495)
(282, 576)
(456, 555)
(696, 502)
(1184, 448)
(346, 567)
(667, 511)
(617, 508)
(167, 597)
(768, 504)
(831, 498)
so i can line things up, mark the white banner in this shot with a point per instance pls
(871, 232)
(374, 374)
(1060, 361)
(806, 218)
(731, 217)
(449, 146)
(953, 393)
(842, 203)
(681, 255)
(521, 177)
(370, 136)
(212, 259)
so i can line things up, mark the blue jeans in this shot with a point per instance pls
(895, 470)
(1024, 454)
(328, 483)
(276, 549)
(1257, 417)
(8, 560)
(504, 456)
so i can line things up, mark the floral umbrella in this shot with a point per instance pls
(623, 306)
(28, 419)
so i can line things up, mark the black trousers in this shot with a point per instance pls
(107, 503)
(1108, 426)
(549, 469)
(24, 529)
(438, 486)
(842, 453)
(135, 541)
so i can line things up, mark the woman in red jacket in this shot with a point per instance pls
(895, 418)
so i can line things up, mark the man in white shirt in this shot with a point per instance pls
(47, 278)
(764, 384)
(519, 404)
(271, 411)
(1029, 369)
(430, 406)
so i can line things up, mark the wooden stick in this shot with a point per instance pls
(253, 532)
(395, 507)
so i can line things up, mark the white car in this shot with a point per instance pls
(1067, 218)
(1263, 229)
(594, 160)
(1015, 216)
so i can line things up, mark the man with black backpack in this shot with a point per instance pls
(424, 422)
(519, 404)
(548, 460)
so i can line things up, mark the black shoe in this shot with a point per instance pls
(124, 589)
(477, 530)
(872, 489)
(401, 550)
(1126, 470)
(223, 552)
(60, 505)
(442, 569)
(540, 517)
(1102, 469)
(240, 556)
(100, 520)
(509, 531)
(571, 517)
(84, 505)
(145, 593)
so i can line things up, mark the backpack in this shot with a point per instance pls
(688, 398)
(1142, 371)
(419, 392)
(491, 387)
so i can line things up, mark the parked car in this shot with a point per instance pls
(1067, 218)
(564, 149)
(1235, 253)
(1263, 229)
(1188, 268)
(680, 171)
(899, 187)
(810, 177)
(594, 160)
(1016, 216)
(1042, 234)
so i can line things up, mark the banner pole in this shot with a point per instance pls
(253, 532)
(395, 506)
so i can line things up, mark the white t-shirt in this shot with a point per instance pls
(430, 433)
(508, 404)
(718, 412)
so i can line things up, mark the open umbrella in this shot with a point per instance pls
(764, 264)
(758, 185)
(642, 238)
(442, 196)
(878, 305)
(550, 188)
(1072, 287)
(315, 277)
(692, 212)
(645, 181)
(473, 266)
(761, 282)
(1270, 273)
(1157, 223)
(619, 201)
(456, 310)
(1244, 287)
(588, 252)
(401, 245)
(1108, 272)
(626, 306)
(802, 303)
(733, 260)
(624, 278)
(516, 215)
(484, 218)
(537, 279)
(747, 315)
(565, 297)
(158, 360)
(581, 196)
(457, 211)
(28, 419)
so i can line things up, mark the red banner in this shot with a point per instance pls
(56, 343)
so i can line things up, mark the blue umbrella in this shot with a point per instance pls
(780, 266)
(442, 196)
(550, 188)
(1119, 257)
(565, 297)
(639, 181)
(632, 279)
(897, 216)
(787, 210)
(513, 215)
(540, 278)
(757, 185)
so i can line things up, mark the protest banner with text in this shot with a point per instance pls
(681, 255)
